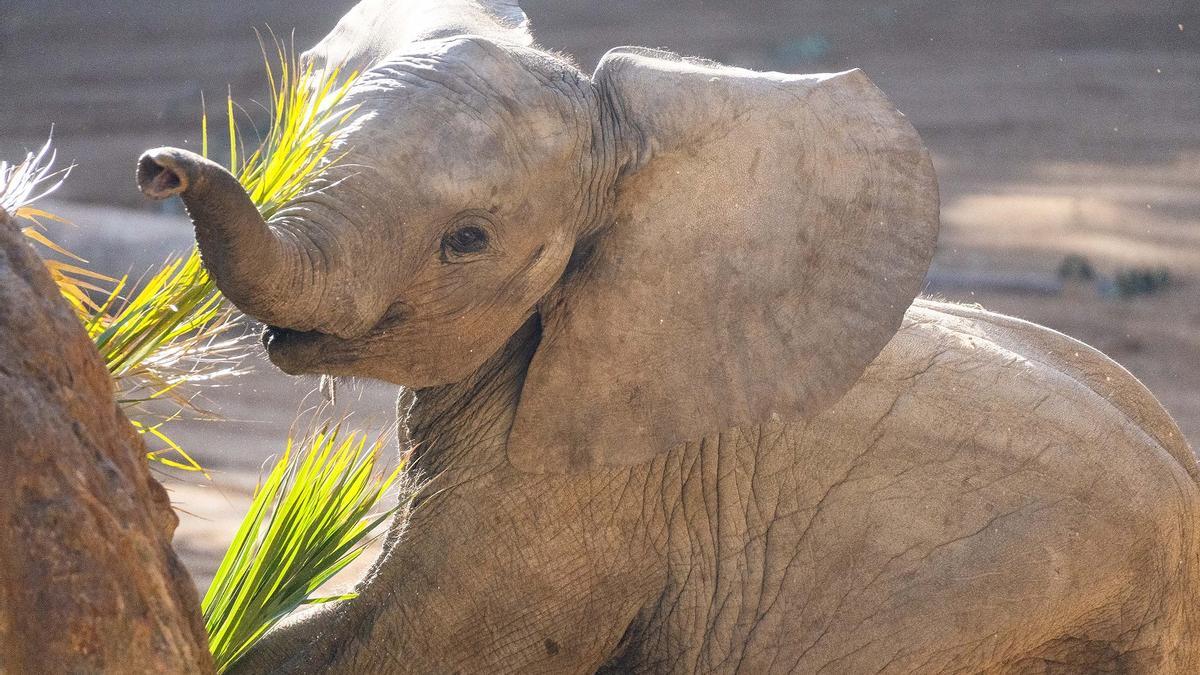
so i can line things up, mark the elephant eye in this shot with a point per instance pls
(464, 240)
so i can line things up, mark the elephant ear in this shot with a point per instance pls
(373, 29)
(770, 231)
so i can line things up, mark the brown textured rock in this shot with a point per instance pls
(88, 579)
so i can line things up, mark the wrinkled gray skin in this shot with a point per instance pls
(676, 411)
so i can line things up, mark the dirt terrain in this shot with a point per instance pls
(1057, 129)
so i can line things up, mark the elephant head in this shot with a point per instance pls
(702, 246)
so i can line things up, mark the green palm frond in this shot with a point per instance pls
(309, 519)
(173, 333)
(308, 118)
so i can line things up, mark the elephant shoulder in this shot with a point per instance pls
(979, 360)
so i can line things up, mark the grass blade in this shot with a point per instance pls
(308, 519)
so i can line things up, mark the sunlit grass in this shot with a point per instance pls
(25, 182)
(309, 519)
(173, 333)
(307, 120)
(21, 185)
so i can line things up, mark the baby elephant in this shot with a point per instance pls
(676, 406)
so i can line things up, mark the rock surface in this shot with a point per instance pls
(88, 579)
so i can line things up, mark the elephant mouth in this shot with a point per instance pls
(274, 336)
(298, 352)
(309, 352)
(293, 351)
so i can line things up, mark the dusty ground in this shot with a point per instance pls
(1057, 128)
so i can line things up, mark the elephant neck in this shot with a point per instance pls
(464, 426)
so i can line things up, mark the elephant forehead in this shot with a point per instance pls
(467, 86)
(463, 73)
(440, 148)
(433, 153)
(400, 163)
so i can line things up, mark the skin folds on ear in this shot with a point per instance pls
(372, 29)
(770, 231)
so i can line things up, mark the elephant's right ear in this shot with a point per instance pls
(770, 231)
(373, 29)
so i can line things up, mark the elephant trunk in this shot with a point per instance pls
(255, 267)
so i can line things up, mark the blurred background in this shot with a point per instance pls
(1066, 136)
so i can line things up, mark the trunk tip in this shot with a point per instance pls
(162, 173)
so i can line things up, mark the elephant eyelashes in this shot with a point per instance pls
(464, 241)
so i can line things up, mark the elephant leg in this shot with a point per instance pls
(483, 579)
